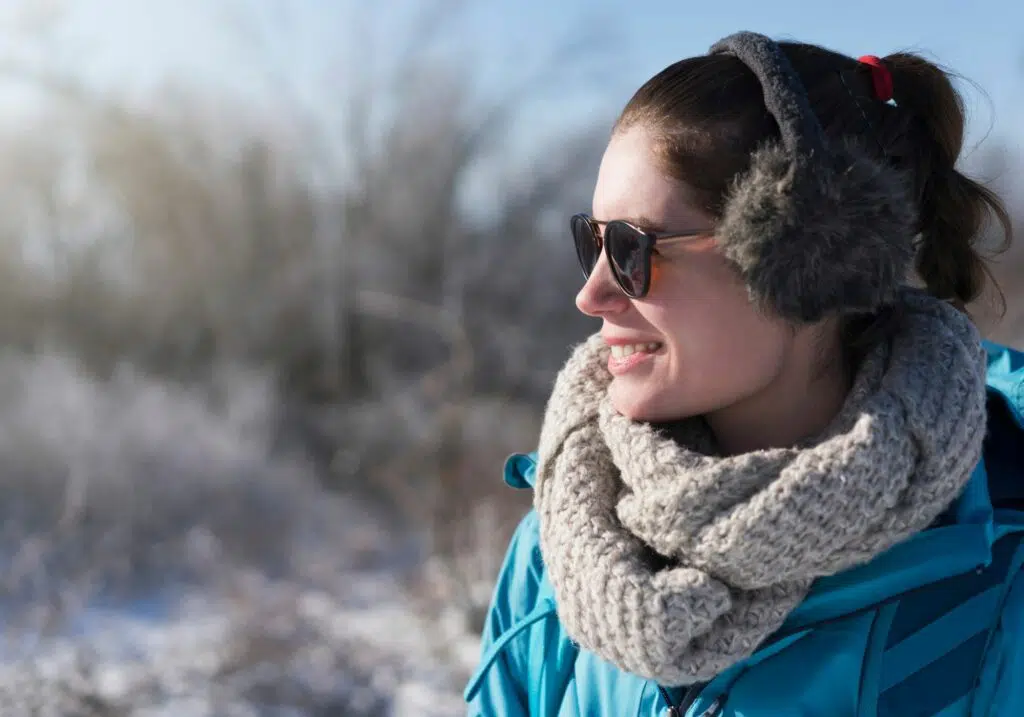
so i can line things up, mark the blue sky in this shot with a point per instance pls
(136, 43)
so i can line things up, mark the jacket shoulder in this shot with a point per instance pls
(523, 572)
(999, 688)
(1004, 443)
(1005, 377)
(500, 683)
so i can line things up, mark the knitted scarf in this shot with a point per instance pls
(674, 563)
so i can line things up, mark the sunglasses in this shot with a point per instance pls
(629, 249)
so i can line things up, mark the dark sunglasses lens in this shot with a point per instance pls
(588, 250)
(628, 259)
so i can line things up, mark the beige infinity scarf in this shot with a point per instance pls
(674, 564)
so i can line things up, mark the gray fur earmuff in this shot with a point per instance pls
(816, 228)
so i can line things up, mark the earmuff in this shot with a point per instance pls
(815, 227)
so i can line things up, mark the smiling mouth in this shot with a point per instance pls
(625, 351)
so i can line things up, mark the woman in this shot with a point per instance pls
(786, 476)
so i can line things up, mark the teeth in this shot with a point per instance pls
(620, 352)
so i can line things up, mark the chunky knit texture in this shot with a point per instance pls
(673, 563)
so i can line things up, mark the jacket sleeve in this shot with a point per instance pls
(1004, 671)
(499, 685)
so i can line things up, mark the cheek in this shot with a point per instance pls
(723, 339)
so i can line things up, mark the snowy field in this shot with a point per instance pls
(162, 559)
(289, 651)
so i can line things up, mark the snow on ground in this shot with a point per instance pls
(270, 649)
(159, 558)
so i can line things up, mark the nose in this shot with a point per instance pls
(600, 295)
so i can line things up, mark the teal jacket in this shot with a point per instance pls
(933, 627)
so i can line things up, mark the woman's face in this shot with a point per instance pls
(699, 345)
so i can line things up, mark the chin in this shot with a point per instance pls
(634, 405)
(648, 405)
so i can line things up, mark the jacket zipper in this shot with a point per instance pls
(692, 693)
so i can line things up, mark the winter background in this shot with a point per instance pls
(283, 282)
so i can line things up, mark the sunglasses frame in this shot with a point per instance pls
(647, 241)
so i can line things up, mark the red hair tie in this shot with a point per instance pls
(881, 77)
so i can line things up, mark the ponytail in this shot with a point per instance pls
(953, 208)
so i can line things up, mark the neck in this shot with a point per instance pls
(800, 403)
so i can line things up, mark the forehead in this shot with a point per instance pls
(631, 183)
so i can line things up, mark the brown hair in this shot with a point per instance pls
(708, 115)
